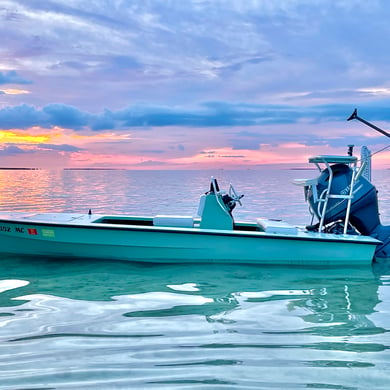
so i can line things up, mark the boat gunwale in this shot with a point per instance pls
(303, 236)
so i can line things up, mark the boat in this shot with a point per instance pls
(345, 228)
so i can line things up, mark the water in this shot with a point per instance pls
(117, 325)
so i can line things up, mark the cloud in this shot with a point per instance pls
(22, 117)
(13, 91)
(152, 151)
(66, 116)
(60, 148)
(187, 76)
(11, 150)
(26, 116)
(175, 52)
(104, 121)
(206, 115)
(75, 65)
(151, 163)
(245, 143)
(12, 77)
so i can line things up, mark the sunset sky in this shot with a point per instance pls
(190, 84)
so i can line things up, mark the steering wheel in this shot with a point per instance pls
(233, 194)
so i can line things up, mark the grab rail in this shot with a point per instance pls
(351, 161)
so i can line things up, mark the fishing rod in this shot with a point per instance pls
(355, 116)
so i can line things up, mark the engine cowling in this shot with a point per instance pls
(364, 213)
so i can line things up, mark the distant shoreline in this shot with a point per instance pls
(132, 169)
(94, 169)
(18, 169)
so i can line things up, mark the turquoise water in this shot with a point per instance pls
(116, 325)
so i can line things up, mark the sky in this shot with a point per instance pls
(191, 84)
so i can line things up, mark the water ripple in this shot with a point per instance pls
(103, 325)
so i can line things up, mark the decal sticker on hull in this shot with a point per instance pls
(48, 233)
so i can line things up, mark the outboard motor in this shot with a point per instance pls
(364, 212)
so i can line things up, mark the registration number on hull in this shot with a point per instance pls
(29, 231)
(19, 230)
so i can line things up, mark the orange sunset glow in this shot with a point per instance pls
(19, 137)
(89, 149)
(14, 91)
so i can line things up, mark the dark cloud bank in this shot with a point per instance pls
(206, 115)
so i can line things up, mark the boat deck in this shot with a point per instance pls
(147, 222)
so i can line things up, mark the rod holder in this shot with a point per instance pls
(355, 115)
